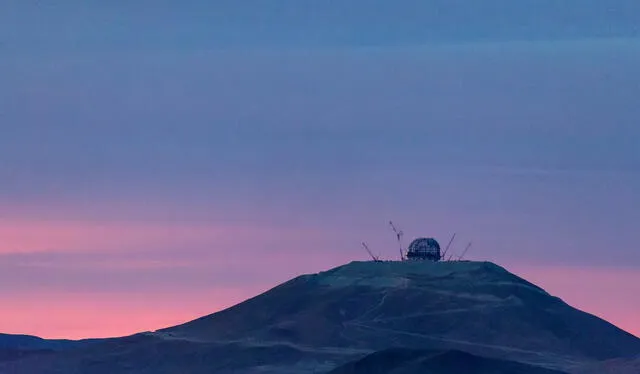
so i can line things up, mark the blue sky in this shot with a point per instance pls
(145, 24)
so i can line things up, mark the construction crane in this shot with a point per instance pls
(448, 245)
(465, 251)
(399, 234)
(374, 257)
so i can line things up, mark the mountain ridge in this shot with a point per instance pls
(473, 290)
(319, 322)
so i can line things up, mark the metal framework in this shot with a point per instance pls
(425, 249)
(421, 249)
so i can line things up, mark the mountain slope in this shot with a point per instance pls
(317, 322)
(463, 305)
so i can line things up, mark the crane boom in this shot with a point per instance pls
(448, 245)
(399, 234)
(374, 257)
(465, 251)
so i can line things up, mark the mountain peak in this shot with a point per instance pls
(389, 274)
(422, 315)
(478, 307)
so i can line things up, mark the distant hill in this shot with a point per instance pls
(33, 342)
(17, 347)
(475, 312)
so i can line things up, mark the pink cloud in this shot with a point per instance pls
(24, 236)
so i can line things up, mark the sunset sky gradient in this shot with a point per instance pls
(149, 175)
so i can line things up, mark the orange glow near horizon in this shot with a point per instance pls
(78, 316)
(608, 293)
(96, 310)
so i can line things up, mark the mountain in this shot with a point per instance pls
(477, 306)
(472, 311)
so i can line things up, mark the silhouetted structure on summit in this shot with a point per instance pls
(420, 249)
(426, 249)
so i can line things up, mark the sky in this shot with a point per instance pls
(161, 162)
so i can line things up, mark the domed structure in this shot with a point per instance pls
(424, 249)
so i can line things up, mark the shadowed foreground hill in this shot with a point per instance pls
(616, 366)
(14, 354)
(408, 361)
(315, 323)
